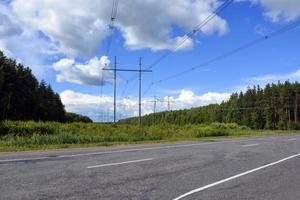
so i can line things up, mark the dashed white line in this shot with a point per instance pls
(115, 151)
(234, 177)
(250, 145)
(118, 151)
(120, 163)
(292, 139)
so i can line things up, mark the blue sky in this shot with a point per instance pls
(64, 42)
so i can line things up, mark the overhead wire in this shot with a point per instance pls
(111, 27)
(195, 30)
(284, 29)
(188, 35)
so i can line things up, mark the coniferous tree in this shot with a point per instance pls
(22, 97)
(276, 106)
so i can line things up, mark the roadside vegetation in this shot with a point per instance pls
(32, 116)
(18, 135)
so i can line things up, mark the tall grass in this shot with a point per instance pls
(20, 135)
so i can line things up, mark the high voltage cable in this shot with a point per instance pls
(113, 17)
(234, 51)
(121, 85)
(245, 46)
(228, 109)
(193, 32)
(187, 36)
(258, 101)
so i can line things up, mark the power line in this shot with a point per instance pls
(122, 86)
(113, 16)
(111, 26)
(230, 109)
(140, 71)
(188, 35)
(193, 32)
(234, 51)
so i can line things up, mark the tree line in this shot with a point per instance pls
(276, 106)
(23, 97)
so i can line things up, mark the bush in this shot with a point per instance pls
(19, 128)
(293, 126)
(73, 117)
(28, 134)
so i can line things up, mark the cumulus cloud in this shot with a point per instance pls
(273, 78)
(96, 106)
(24, 44)
(7, 27)
(89, 73)
(188, 97)
(280, 10)
(78, 27)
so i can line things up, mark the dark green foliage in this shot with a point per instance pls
(73, 117)
(274, 107)
(22, 97)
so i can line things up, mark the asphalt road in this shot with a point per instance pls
(265, 168)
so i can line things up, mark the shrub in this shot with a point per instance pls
(28, 134)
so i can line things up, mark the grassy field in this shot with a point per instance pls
(17, 135)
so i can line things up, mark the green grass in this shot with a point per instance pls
(17, 135)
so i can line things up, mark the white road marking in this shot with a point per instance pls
(24, 159)
(235, 177)
(121, 151)
(116, 151)
(143, 149)
(120, 163)
(250, 145)
(292, 139)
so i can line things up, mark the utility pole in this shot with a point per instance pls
(107, 115)
(115, 89)
(115, 86)
(140, 70)
(140, 91)
(154, 108)
(296, 108)
(169, 101)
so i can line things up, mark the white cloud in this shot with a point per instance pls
(280, 10)
(78, 27)
(188, 98)
(96, 106)
(7, 27)
(24, 44)
(273, 78)
(90, 73)
(262, 30)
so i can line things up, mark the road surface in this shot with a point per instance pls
(262, 168)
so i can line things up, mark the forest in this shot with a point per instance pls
(23, 97)
(273, 107)
(32, 116)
